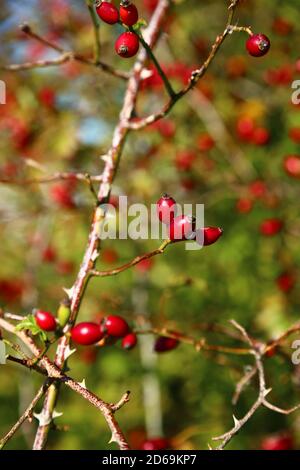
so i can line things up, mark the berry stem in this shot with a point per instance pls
(162, 74)
(96, 26)
(132, 263)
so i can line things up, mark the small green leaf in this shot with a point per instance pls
(30, 324)
(141, 23)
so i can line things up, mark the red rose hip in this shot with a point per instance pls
(129, 341)
(128, 13)
(270, 227)
(156, 443)
(210, 235)
(182, 228)
(107, 12)
(114, 325)
(291, 165)
(127, 44)
(86, 333)
(166, 209)
(258, 45)
(45, 320)
(164, 344)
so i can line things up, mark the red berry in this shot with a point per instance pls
(129, 341)
(86, 333)
(261, 136)
(205, 142)
(277, 442)
(258, 45)
(156, 443)
(185, 159)
(61, 194)
(270, 227)
(285, 282)
(145, 265)
(45, 320)
(291, 165)
(211, 235)
(166, 209)
(258, 188)
(244, 205)
(182, 228)
(127, 44)
(128, 13)
(108, 12)
(245, 129)
(294, 134)
(164, 344)
(114, 325)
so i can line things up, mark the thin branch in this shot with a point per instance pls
(74, 55)
(96, 27)
(132, 263)
(160, 71)
(26, 415)
(66, 57)
(196, 75)
(69, 176)
(111, 165)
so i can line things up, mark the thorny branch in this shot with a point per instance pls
(55, 370)
(111, 165)
(261, 399)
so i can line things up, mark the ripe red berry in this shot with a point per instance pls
(128, 13)
(45, 320)
(258, 45)
(270, 227)
(164, 344)
(277, 442)
(294, 134)
(114, 325)
(245, 127)
(129, 341)
(156, 443)
(291, 165)
(258, 188)
(205, 142)
(166, 209)
(184, 160)
(108, 12)
(210, 235)
(86, 333)
(182, 228)
(244, 205)
(285, 282)
(127, 44)
(261, 136)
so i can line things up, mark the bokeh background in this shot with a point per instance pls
(223, 145)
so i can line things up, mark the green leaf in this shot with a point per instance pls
(141, 23)
(29, 324)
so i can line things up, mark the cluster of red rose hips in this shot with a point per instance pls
(127, 43)
(183, 227)
(113, 327)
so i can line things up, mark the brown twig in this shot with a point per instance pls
(196, 75)
(111, 165)
(261, 399)
(134, 262)
(27, 413)
(68, 176)
(72, 55)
